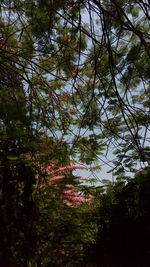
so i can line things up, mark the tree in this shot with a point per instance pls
(17, 209)
(66, 224)
(77, 88)
(90, 75)
(123, 224)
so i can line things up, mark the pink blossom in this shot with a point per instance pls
(75, 199)
(55, 179)
(67, 192)
(78, 199)
(67, 168)
(70, 196)
(70, 186)
(90, 197)
(68, 203)
(84, 179)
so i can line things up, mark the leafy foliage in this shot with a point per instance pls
(123, 224)
(72, 89)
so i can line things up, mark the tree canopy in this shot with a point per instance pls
(74, 94)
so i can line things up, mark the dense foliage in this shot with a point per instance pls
(123, 224)
(74, 94)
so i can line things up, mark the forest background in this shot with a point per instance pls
(74, 95)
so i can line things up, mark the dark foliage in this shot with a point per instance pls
(124, 225)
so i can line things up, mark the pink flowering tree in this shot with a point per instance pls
(66, 206)
(54, 178)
